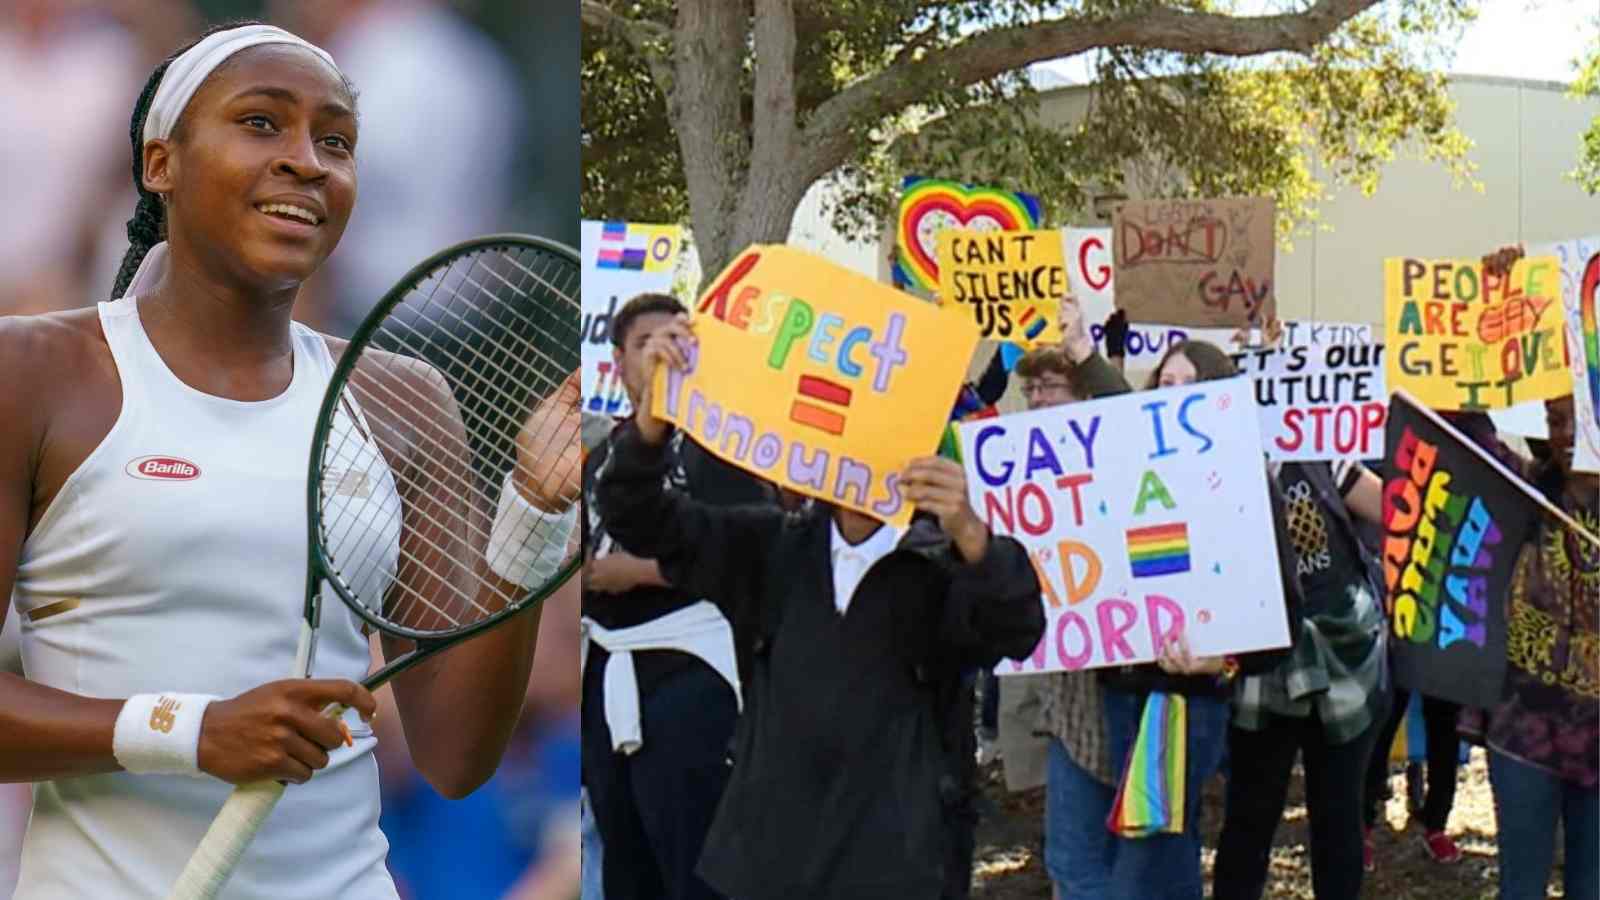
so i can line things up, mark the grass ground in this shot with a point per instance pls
(1010, 867)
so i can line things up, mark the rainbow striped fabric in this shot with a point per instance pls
(1151, 797)
(1159, 549)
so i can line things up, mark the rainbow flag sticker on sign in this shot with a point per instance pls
(1159, 549)
(633, 247)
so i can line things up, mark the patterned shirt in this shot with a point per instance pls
(1550, 718)
(1074, 714)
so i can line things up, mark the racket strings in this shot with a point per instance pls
(506, 361)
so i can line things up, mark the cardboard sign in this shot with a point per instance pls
(1459, 339)
(1454, 524)
(1319, 403)
(1206, 263)
(817, 378)
(1010, 282)
(1134, 509)
(620, 261)
(929, 206)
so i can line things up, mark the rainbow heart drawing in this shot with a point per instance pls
(929, 206)
(1591, 331)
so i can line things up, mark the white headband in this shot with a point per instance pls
(190, 70)
(178, 85)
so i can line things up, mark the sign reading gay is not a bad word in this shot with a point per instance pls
(1207, 263)
(1460, 338)
(929, 206)
(620, 260)
(1012, 282)
(1319, 402)
(1132, 508)
(1453, 526)
(817, 378)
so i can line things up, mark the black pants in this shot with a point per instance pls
(1258, 788)
(654, 807)
(1439, 718)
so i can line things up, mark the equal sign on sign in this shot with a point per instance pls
(820, 417)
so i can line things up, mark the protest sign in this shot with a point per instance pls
(1580, 281)
(1454, 523)
(1319, 402)
(929, 206)
(817, 378)
(1137, 511)
(1461, 339)
(1206, 263)
(620, 260)
(1011, 282)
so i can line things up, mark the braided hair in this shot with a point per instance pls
(148, 226)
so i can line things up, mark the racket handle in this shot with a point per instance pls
(226, 840)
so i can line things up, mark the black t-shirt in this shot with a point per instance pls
(1328, 559)
(703, 477)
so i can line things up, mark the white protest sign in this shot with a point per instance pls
(620, 260)
(1146, 515)
(1320, 403)
(1580, 283)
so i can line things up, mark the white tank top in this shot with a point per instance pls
(175, 560)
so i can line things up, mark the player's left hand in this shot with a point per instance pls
(549, 453)
(938, 486)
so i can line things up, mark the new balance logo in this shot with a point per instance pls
(162, 718)
(163, 468)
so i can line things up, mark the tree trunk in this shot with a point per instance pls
(708, 51)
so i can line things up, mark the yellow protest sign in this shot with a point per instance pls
(817, 378)
(1011, 281)
(1461, 339)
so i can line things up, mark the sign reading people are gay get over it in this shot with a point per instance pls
(1146, 516)
(620, 260)
(1319, 402)
(1460, 338)
(817, 378)
(1453, 526)
(1010, 282)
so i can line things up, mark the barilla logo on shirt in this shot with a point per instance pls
(163, 468)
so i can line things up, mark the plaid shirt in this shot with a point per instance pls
(1074, 714)
(1337, 668)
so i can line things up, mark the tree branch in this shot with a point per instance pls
(644, 37)
(827, 140)
(774, 131)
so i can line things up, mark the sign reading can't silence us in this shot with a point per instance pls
(1012, 282)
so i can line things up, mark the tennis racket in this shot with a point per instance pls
(453, 390)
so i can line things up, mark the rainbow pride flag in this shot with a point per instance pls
(1159, 549)
(1032, 323)
(1151, 797)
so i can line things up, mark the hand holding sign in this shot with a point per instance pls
(937, 485)
(672, 345)
(1075, 340)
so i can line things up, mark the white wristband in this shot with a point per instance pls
(527, 544)
(159, 734)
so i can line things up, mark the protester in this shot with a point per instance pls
(660, 690)
(850, 634)
(1079, 852)
(1167, 865)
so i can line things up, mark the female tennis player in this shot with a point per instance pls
(153, 461)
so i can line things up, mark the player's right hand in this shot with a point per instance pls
(277, 732)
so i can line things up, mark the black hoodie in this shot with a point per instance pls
(835, 792)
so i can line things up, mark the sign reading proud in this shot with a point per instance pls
(1454, 523)
(1011, 281)
(1460, 338)
(817, 378)
(1132, 508)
